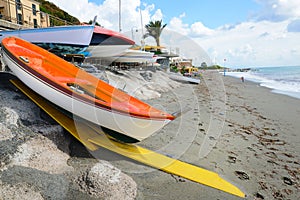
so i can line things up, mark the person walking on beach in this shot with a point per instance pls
(243, 79)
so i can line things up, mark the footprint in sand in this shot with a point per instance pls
(231, 159)
(258, 196)
(287, 181)
(242, 175)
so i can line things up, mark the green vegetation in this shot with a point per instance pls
(91, 21)
(211, 67)
(203, 64)
(174, 68)
(52, 9)
(154, 29)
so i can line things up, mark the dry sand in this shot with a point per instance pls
(244, 132)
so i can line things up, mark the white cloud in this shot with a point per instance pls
(269, 40)
(182, 15)
(158, 15)
(176, 24)
(279, 10)
(254, 44)
(198, 29)
(108, 12)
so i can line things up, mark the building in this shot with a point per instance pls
(182, 62)
(25, 13)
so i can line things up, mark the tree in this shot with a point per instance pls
(154, 29)
(203, 65)
(91, 22)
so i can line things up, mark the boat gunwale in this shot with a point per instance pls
(70, 93)
(111, 33)
(52, 28)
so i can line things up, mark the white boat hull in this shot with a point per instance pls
(101, 51)
(107, 43)
(133, 56)
(134, 127)
(77, 37)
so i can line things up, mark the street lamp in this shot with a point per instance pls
(224, 66)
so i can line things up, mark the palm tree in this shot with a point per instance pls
(154, 30)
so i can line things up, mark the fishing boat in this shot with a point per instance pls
(133, 56)
(80, 93)
(106, 43)
(59, 40)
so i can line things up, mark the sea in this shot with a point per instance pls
(283, 80)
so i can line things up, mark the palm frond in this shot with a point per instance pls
(154, 29)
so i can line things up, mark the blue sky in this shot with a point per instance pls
(245, 32)
(212, 13)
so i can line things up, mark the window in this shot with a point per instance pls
(35, 25)
(20, 20)
(18, 4)
(33, 9)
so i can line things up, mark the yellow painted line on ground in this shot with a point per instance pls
(92, 137)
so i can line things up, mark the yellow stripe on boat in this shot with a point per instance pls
(92, 138)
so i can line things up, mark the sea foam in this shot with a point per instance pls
(283, 80)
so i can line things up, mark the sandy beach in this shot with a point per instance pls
(244, 132)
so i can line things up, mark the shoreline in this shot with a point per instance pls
(242, 131)
(255, 150)
(262, 83)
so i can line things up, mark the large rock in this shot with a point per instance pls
(42, 154)
(5, 133)
(15, 106)
(50, 186)
(19, 191)
(106, 181)
(35, 158)
(11, 117)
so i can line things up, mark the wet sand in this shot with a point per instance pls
(244, 132)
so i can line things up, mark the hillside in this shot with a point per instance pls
(52, 9)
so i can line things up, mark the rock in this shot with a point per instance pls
(18, 107)
(50, 186)
(5, 133)
(11, 117)
(55, 133)
(34, 158)
(19, 191)
(105, 181)
(42, 154)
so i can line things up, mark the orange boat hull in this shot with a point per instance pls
(81, 93)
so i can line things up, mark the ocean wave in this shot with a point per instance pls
(281, 80)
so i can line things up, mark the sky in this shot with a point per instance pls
(234, 33)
